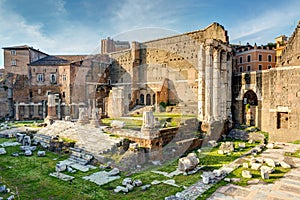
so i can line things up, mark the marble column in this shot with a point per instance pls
(229, 78)
(224, 85)
(216, 85)
(36, 111)
(51, 107)
(208, 83)
(17, 115)
(201, 83)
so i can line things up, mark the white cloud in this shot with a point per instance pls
(264, 25)
(73, 39)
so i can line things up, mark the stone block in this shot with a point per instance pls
(114, 172)
(41, 153)
(270, 162)
(242, 145)
(137, 183)
(285, 165)
(188, 163)
(255, 166)
(129, 187)
(264, 174)
(2, 151)
(245, 165)
(267, 169)
(246, 174)
(121, 189)
(127, 181)
(212, 143)
(146, 187)
(270, 146)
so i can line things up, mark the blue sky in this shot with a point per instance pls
(77, 26)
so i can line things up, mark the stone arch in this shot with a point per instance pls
(148, 99)
(142, 99)
(153, 99)
(250, 105)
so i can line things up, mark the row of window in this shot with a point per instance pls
(259, 58)
(249, 68)
(40, 78)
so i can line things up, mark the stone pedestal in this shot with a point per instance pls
(94, 121)
(148, 129)
(51, 108)
(83, 116)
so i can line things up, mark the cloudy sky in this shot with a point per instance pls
(77, 26)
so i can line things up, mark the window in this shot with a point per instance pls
(40, 77)
(13, 62)
(241, 59)
(241, 68)
(259, 57)
(63, 94)
(259, 67)
(269, 67)
(282, 120)
(13, 52)
(269, 58)
(64, 77)
(249, 58)
(53, 78)
(248, 68)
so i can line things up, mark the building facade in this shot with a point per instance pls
(109, 45)
(254, 58)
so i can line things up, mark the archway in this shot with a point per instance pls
(250, 104)
(148, 99)
(142, 99)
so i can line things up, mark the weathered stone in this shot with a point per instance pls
(129, 187)
(127, 181)
(246, 174)
(235, 180)
(117, 124)
(60, 167)
(218, 172)
(264, 174)
(270, 162)
(121, 189)
(137, 183)
(284, 165)
(2, 151)
(28, 152)
(188, 163)
(255, 166)
(227, 179)
(242, 145)
(114, 172)
(26, 141)
(133, 146)
(155, 182)
(41, 153)
(11, 197)
(267, 169)
(220, 152)
(146, 187)
(212, 143)
(227, 147)
(253, 181)
(245, 165)
(2, 188)
(270, 145)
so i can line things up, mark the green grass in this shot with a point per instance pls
(278, 173)
(293, 154)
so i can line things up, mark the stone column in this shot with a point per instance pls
(201, 83)
(208, 83)
(148, 130)
(229, 83)
(17, 115)
(51, 107)
(224, 86)
(59, 109)
(216, 85)
(35, 110)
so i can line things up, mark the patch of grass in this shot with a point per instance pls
(295, 142)
(293, 154)
(278, 173)
(211, 190)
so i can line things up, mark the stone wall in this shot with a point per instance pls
(291, 53)
(278, 106)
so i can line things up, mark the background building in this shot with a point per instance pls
(109, 45)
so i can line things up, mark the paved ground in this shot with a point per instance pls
(286, 188)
